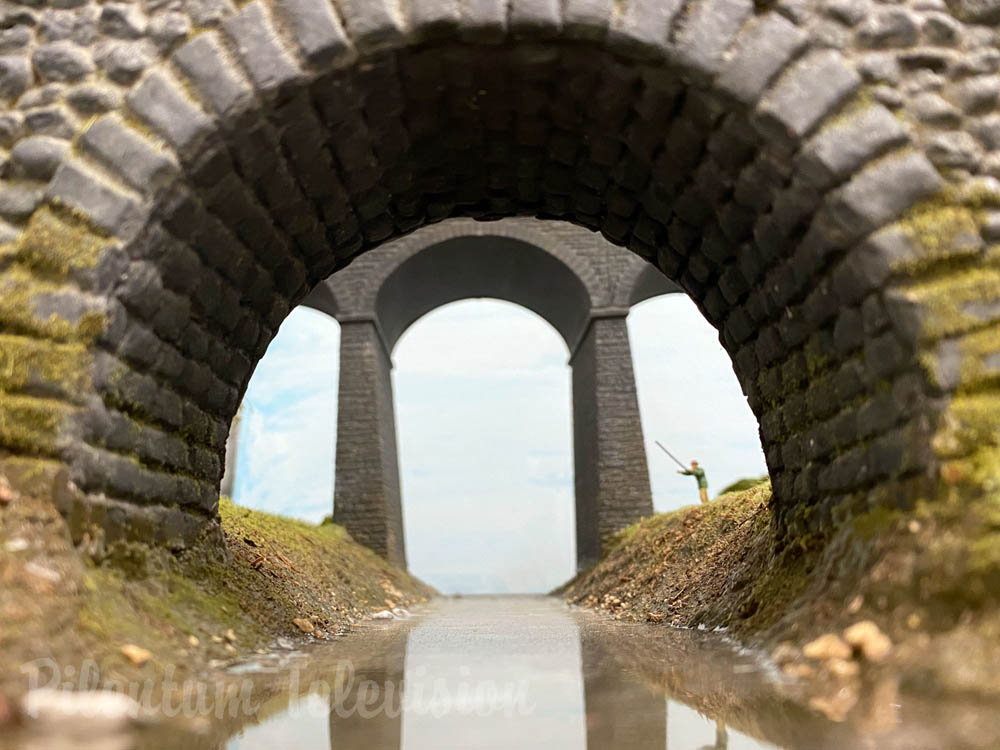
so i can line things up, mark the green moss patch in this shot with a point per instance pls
(941, 231)
(957, 302)
(31, 425)
(58, 243)
(61, 367)
(19, 288)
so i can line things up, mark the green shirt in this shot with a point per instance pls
(698, 473)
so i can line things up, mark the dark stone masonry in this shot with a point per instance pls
(819, 177)
(569, 276)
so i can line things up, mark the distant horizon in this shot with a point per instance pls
(483, 412)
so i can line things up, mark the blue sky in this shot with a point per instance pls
(485, 433)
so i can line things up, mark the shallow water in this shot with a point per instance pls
(530, 672)
(485, 673)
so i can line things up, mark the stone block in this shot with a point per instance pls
(216, 80)
(80, 188)
(709, 28)
(372, 24)
(838, 151)
(882, 192)
(160, 101)
(795, 106)
(128, 154)
(761, 52)
(643, 26)
(38, 156)
(260, 48)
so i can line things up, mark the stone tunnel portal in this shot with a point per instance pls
(819, 180)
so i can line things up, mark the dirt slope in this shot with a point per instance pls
(141, 613)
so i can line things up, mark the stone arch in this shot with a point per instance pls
(498, 268)
(323, 299)
(574, 247)
(642, 283)
(547, 272)
(774, 161)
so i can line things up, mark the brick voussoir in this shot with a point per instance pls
(127, 153)
(218, 81)
(161, 102)
(112, 208)
(260, 48)
(795, 106)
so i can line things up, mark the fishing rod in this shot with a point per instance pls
(662, 448)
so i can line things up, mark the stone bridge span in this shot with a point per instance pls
(583, 286)
(818, 176)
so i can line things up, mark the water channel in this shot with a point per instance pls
(485, 673)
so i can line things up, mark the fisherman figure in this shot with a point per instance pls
(699, 474)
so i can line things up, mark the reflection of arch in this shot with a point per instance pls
(379, 299)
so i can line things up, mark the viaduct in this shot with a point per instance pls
(570, 277)
(819, 176)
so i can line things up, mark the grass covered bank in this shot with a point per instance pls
(677, 567)
(918, 576)
(144, 612)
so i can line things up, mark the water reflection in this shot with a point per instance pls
(366, 702)
(489, 673)
(485, 673)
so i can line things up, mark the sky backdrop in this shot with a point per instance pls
(484, 427)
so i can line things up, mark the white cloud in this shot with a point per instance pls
(287, 436)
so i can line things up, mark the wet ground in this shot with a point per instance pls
(530, 672)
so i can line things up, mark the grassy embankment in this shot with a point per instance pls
(195, 613)
(916, 574)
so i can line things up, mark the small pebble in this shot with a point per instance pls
(837, 706)
(136, 654)
(869, 640)
(304, 625)
(842, 668)
(798, 671)
(17, 544)
(40, 571)
(7, 493)
(827, 647)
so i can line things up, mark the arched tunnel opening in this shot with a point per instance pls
(728, 184)
(559, 281)
(823, 189)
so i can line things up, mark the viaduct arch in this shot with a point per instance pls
(819, 177)
(568, 276)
